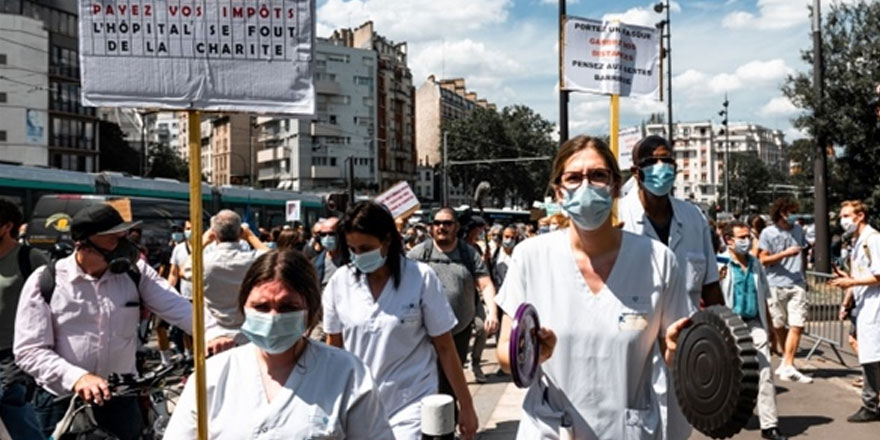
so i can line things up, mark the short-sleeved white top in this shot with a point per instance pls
(600, 374)
(329, 394)
(391, 335)
(179, 257)
(865, 262)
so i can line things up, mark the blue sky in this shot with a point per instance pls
(506, 50)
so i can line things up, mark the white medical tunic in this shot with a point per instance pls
(866, 262)
(329, 395)
(600, 376)
(392, 335)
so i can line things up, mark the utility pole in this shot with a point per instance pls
(822, 248)
(658, 8)
(563, 94)
(350, 180)
(445, 190)
(726, 123)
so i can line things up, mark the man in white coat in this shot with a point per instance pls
(651, 210)
(864, 280)
(746, 292)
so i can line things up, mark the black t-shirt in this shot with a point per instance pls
(662, 230)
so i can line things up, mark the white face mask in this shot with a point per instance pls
(848, 225)
(742, 246)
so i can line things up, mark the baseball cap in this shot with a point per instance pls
(98, 219)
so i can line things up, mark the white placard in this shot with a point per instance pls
(627, 138)
(293, 211)
(400, 200)
(232, 55)
(611, 58)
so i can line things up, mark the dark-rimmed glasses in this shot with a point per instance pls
(597, 177)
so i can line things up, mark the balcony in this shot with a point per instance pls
(327, 87)
(323, 172)
(272, 154)
(321, 129)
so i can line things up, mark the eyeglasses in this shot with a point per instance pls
(648, 161)
(597, 177)
(445, 223)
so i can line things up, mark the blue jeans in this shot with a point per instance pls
(17, 414)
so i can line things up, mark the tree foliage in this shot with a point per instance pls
(851, 54)
(515, 132)
(116, 154)
(750, 180)
(164, 162)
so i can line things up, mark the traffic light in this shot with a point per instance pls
(337, 202)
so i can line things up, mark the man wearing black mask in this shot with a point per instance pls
(70, 337)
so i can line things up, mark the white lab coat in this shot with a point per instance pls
(691, 241)
(392, 335)
(865, 262)
(329, 394)
(599, 377)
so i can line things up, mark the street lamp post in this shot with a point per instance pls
(726, 113)
(822, 247)
(658, 8)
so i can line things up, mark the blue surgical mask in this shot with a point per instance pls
(508, 243)
(658, 178)
(791, 219)
(369, 262)
(329, 242)
(271, 245)
(177, 236)
(274, 333)
(588, 206)
(743, 246)
(544, 230)
(188, 234)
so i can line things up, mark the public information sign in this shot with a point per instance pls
(610, 58)
(293, 211)
(199, 54)
(400, 200)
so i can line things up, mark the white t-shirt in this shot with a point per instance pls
(391, 335)
(600, 375)
(329, 394)
(865, 262)
(180, 258)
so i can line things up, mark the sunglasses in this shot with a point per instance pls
(446, 223)
(649, 161)
(325, 234)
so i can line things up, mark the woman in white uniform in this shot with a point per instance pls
(283, 385)
(392, 313)
(606, 297)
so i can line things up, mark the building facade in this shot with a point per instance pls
(395, 104)
(314, 155)
(24, 90)
(72, 128)
(700, 149)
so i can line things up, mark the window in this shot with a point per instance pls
(3, 97)
(2, 58)
(332, 161)
(2, 135)
(363, 80)
(333, 119)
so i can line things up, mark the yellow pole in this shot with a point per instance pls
(615, 142)
(195, 218)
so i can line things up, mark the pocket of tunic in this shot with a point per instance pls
(641, 424)
(696, 271)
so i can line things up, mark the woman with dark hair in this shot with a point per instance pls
(288, 239)
(282, 382)
(391, 312)
(609, 295)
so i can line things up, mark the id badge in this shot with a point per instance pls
(632, 322)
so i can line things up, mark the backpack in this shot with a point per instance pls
(461, 246)
(47, 281)
(24, 261)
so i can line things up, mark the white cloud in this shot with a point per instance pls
(751, 74)
(778, 107)
(411, 20)
(775, 14)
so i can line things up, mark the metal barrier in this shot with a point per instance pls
(823, 323)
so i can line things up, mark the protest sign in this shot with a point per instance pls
(628, 138)
(400, 200)
(198, 54)
(610, 58)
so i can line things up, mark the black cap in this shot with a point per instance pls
(98, 219)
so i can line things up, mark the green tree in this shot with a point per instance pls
(750, 179)
(164, 162)
(515, 132)
(116, 154)
(851, 51)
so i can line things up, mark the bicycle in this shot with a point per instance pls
(156, 391)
